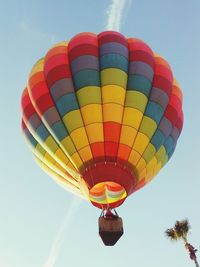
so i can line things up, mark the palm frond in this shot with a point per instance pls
(185, 225)
(171, 233)
(182, 228)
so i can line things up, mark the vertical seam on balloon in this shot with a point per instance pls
(116, 155)
(57, 172)
(46, 152)
(124, 109)
(171, 136)
(65, 151)
(101, 99)
(75, 190)
(124, 104)
(154, 155)
(143, 116)
(47, 129)
(80, 114)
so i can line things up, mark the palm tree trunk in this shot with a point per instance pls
(196, 262)
(192, 252)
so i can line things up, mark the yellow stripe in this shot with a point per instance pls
(73, 120)
(79, 138)
(50, 144)
(149, 152)
(59, 179)
(142, 175)
(92, 113)
(136, 100)
(76, 158)
(148, 126)
(160, 154)
(64, 43)
(55, 166)
(68, 145)
(39, 66)
(112, 112)
(95, 132)
(134, 157)
(89, 95)
(141, 142)
(128, 135)
(141, 165)
(132, 117)
(113, 76)
(113, 94)
(85, 154)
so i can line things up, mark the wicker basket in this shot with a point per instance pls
(110, 230)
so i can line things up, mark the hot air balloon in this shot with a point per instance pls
(102, 115)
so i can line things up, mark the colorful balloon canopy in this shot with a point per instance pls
(102, 115)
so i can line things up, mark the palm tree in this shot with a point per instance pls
(180, 231)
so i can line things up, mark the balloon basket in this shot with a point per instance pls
(110, 230)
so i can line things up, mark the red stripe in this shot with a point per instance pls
(36, 78)
(23, 125)
(25, 100)
(83, 49)
(139, 185)
(56, 51)
(179, 123)
(111, 149)
(171, 114)
(123, 153)
(28, 111)
(55, 61)
(138, 45)
(81, 39)
(176, 91)
(163, 84)
(98, 150)
(39, 90)
(57, 74)
(161, 70)
(104, 172)
(175, 102)
(112, 131)
(44, 103)
(139, 55)
(111, 36)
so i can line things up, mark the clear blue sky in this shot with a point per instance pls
(32, 206)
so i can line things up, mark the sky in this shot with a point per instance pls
(42, 225)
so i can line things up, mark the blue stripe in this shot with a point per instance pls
(154, 111)
(171, 152)
(30, 138)
(114, 61)
(67, 103)
(113, 47)
(158, 139)
(169, 144)
(59, 130)
(139, 83)
(86, 78)
(42, 132)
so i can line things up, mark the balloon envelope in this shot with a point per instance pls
(102, 115)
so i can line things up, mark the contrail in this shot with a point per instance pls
(58, 241)
(114, 13)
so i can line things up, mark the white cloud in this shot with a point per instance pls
(58, 241)
(114, 12)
